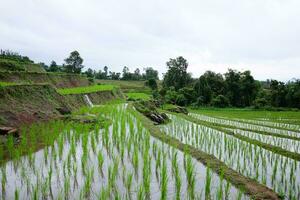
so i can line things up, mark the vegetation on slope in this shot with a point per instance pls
(86, 90)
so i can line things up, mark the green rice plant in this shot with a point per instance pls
(141, 193)
(66, 187)
(190, 174)
(111, 178)
(100, 162)
(17, 194)
(128, 183)
(177, 182)
(164, 180)
(207, 183)
(135, 159)
(104, 194)
(88, 183)
(220, 189)
(227, 190)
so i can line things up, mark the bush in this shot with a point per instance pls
(260, 103)
(171, 95)
(151, 83)
(181, 100)
(220, 101)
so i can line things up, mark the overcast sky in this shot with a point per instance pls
(258, 35)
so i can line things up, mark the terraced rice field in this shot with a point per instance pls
(124, 159)
(120, 161)
(266, 165)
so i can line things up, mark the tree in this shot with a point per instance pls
(54, 67)
(150, 73)
(137, 74)
(114, 75)
(249, 88)
(278, 93)
(126, 73)
(73, 63)
(105, 72)
(177, 75)
(220, 101)
(90, 73)
(208, 86)
(293, 94)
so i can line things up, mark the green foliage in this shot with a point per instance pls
(73, 63)
(151, 83)
(137, 96)
(177, 75)
(150, 73)
(220, 101)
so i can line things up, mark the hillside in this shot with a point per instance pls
(15, 65)
(25, 104)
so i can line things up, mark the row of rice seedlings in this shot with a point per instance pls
(250, 160)
(271, 124)
(288, 144)
(237, 124)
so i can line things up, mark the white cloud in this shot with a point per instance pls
(261, 36)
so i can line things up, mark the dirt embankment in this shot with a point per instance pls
(57, 80)
(101, 97)
(25, 104)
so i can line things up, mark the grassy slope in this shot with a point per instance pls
(127, 86)
(86, 90)
(138, 95)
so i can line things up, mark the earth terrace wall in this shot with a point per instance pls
(26, 104)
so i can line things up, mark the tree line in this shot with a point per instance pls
(74, 64)
(234, 88)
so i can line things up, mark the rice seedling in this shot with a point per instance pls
(164, 180)
(208, 184)
(17, 195)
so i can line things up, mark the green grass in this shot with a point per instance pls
(127, 86)
(138, 96)
(88, 89)
(250, 114)
(7, 84)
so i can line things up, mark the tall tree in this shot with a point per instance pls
(177, 75)
(73, 63)
(105, 72)
(150, 73)
(208, 86)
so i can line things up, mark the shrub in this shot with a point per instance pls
(220, 101)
